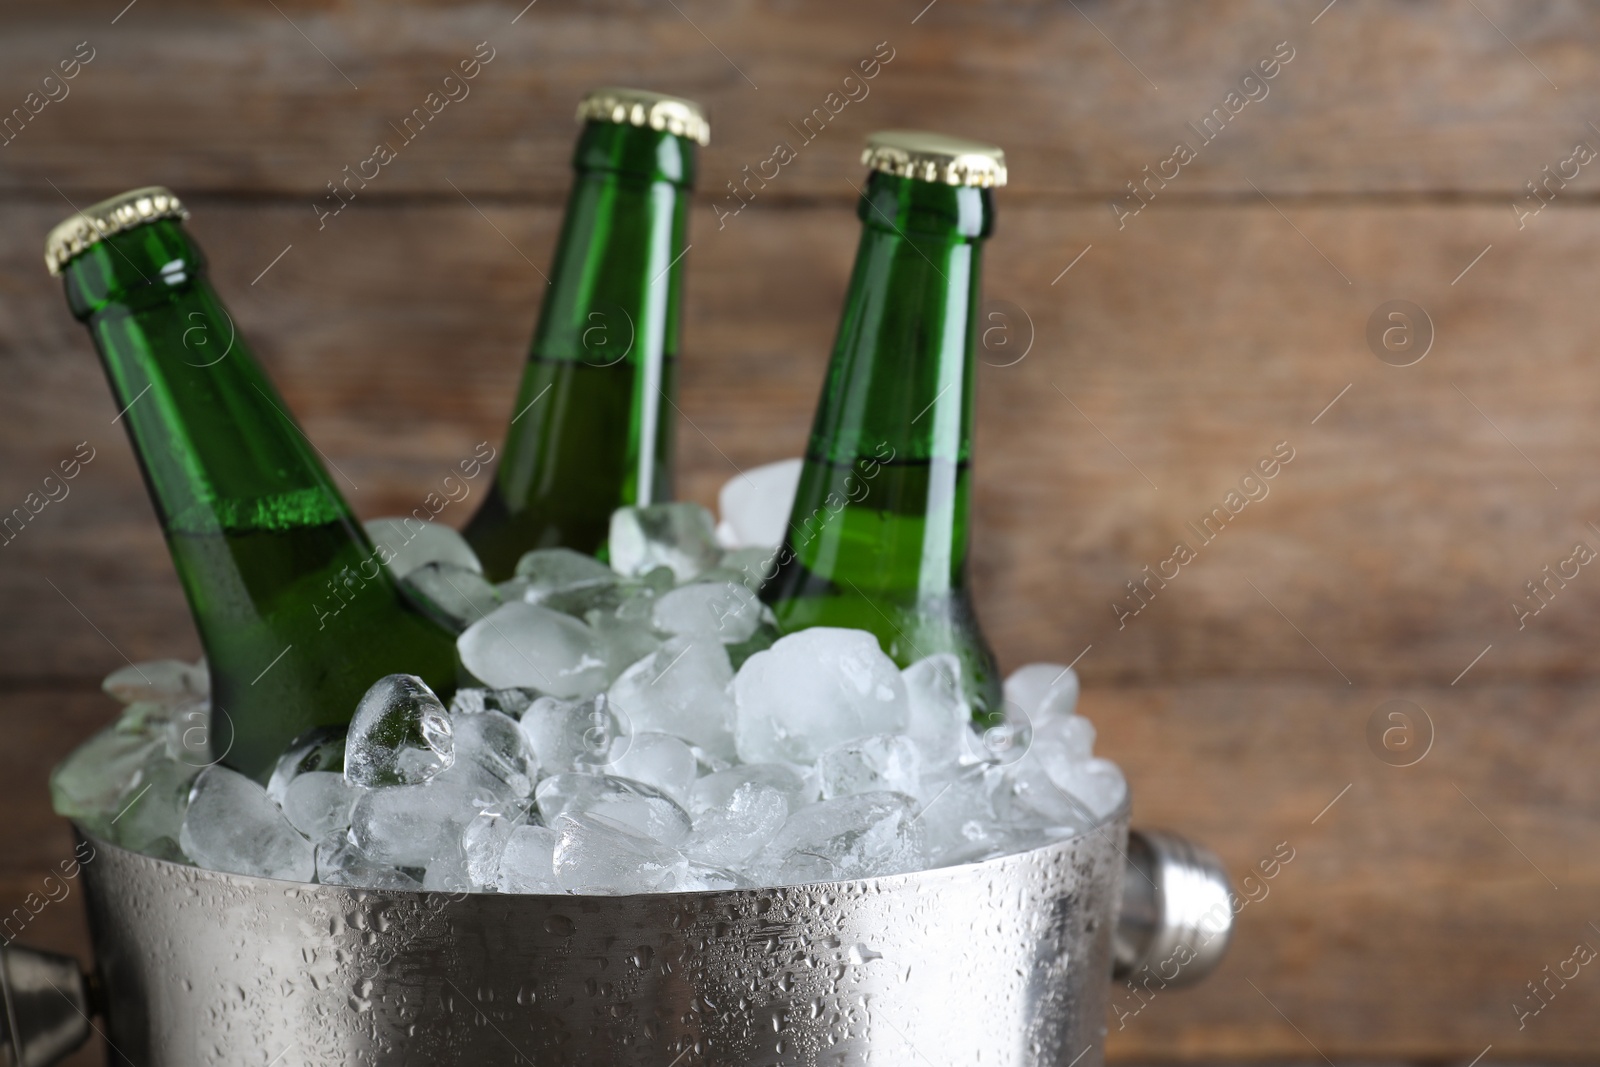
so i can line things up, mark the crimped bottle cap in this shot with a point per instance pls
(639, 107)
(935, 157)
(94, 224)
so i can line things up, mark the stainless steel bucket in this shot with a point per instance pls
(1002, 963)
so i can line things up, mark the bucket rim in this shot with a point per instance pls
(1111, 828)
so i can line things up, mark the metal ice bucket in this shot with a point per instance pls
(1004, 963)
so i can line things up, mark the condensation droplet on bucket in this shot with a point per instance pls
(860, 954)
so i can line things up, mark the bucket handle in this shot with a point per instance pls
(1177, 911)
(47, 1002)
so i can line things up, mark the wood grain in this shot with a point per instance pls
(1423, 97)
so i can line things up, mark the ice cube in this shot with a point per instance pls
(548, 570)
(1043, 690)
(570, 735)
(170, 683)
(871, 764)
(626, 640)
(716, 790)
(658, 760)
(341, 863)
(703, 877)
(523, 644)
(1001, 840)
(861, 836)
(680, 689)
(815, 689)
(409, 543)
(971, 811)
(1035, 796)
(151, 811)
(448, 871)
(939, 713)
(750, 567)
(754, 505)
(675, 535)
(484, 840)
(320, 802)
(412, 825)
(512, 702)
(320, 748)
(400, 734)
(727, 835)
(644, 808)
(595, 854)
(1097, 784)
(718, 611)
(130, 783)
(232, 825)
(629, 597)
(527, 864)
(512, 589)
(1059, 749)
(90, 784)
(707, 763)
(1063, 739)
(455, 597)
(492, 755)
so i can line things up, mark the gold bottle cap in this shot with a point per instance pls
(935, 157)
(638, 107)
(94, 224)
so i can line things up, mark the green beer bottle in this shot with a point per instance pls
(590, 430)
(295, 613)
(878, 536)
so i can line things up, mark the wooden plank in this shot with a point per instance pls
(1418, 903)
(1418, 98)
(1404, 926)
(1390, 549)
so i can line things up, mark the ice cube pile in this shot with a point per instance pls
(640, 727)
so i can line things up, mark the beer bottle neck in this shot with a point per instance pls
(618, 274)
(215, 441)
(899, 387)
(591, 429)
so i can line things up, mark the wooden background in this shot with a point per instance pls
(1224, 318)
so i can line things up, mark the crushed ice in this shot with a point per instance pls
(641, 727)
